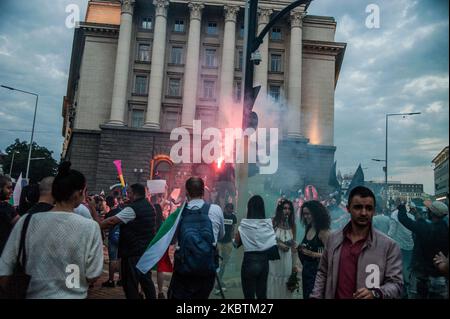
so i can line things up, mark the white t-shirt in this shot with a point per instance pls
(82, 210)
(58, 246)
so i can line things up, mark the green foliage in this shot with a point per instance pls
(39, 168)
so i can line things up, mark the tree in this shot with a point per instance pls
(44, 165)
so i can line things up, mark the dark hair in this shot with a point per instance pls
(67, 182)
(319, 213)
(4, 180)
(28, 198)
(138, 190)
(362, 192)
(110, 201)
(278, 219)
(255, 208)
(195, 187)
(229, 205)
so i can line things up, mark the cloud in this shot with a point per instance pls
(426, 84)
(435, 107)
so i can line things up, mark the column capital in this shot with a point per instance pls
(196, 10)
(161, 7)
(127, 6)
(230, 13)
(296, 18)
(264, 15)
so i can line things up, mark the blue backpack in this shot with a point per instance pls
(197, 254)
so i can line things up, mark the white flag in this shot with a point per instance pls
(17, 191)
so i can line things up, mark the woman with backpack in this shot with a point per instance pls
(257, 236)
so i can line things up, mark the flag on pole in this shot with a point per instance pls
(17, 191)
(159, 244)
(357, 180)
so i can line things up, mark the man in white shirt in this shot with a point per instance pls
(190, 282)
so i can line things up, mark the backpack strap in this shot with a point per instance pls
(22, 256)
(205, 208)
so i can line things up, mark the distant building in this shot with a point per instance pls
(398, 190)
(441, 175)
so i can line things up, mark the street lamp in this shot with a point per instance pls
(386, 145)
(12, 162)
(34, 121)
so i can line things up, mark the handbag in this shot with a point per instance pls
(273, 253)
(15, 286)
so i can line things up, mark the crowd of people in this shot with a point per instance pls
(343, 251)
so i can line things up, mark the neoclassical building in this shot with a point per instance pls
(140, 68)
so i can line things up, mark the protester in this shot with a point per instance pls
(381, 222)
(113, 244)
(225, 245)
(349, 253)
(200, 228)
(28, 198)
(426, 282)
(280, 270)
(257, 236)
(58, 243)
(164, 264)
(137, 229)
(316, 219)
(8, 215)
(46, 201)
(403, 237)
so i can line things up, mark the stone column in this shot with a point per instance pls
(263, 67)
(155, 90)
(119, 99)
(227, 69)
(192, 65)
(295, 75)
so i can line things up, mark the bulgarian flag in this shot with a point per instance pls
(159, 244)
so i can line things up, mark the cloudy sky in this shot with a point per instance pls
(402, 66)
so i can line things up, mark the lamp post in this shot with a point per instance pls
(386, 145)
(12, 162)
(34, 121)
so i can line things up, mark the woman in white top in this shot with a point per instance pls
(64, 250)
(280, 270)
(256, 234)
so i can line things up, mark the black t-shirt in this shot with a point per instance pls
(7, 214)
(230, 220)
(40, 208)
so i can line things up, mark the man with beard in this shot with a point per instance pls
(8, 215)
(359, 262)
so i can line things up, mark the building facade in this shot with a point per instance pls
(441, 175)
(142, 68)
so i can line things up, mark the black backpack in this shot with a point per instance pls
(197, 253)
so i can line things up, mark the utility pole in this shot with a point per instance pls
(252, 57)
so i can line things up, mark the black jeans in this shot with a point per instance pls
(190, 287)
(254, 272)
(131, 278)
(309, 277)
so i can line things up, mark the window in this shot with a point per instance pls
(146, 23)
(171, 120)
(212, 28)
(137, 118)
(210, 57)
(140, 85)
(174, 87)
(144, 52)
(237, 91)
(275, 34)
(274, 92)
(275, 62)
(241, 31)
(176, 56)
(208, 89)
(178, 26)
(240, 59)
